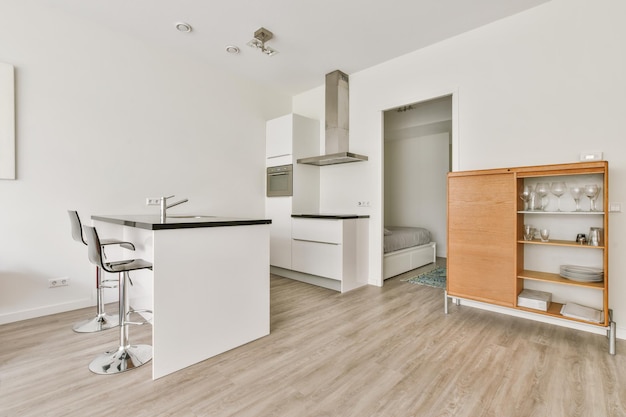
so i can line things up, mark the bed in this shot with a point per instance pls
(406, 248)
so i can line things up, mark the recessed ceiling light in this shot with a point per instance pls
(231, 49)
(183, 27)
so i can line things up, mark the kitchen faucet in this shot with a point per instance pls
(165, 206)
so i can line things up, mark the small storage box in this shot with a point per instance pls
(538, 300)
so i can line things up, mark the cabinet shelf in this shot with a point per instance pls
(557, 279)
(556, 242)
(554, 310)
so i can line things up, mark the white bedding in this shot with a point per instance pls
(404, 237)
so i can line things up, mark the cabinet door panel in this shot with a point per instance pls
(323, 259)
(317, 230)
(482, 237)
(278, 137)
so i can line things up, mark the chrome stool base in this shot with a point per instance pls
(102, 320)
(98, 323)
(121, 360)
(126, 356)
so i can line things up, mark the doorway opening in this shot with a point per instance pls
(418, 154)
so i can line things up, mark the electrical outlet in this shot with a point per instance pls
(58, 282)
(591, 156)
(615, 207)
(150, 201)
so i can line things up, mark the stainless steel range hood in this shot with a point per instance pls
(337, 126)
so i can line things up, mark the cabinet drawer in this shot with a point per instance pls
(317, 230)
(322, 259)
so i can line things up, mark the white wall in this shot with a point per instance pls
(7, 121)
(415, 185)
(104, 121)
(534, 88)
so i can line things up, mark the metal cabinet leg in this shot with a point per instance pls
(445, 302)
(612, 338)
(611, 333)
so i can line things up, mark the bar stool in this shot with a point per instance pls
(102, 321)
(127, 356)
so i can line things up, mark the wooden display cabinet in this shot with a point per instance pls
(490, 261)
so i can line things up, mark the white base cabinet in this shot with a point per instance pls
(334, 249)
(208, 288)
(278, 209)
(319, 247)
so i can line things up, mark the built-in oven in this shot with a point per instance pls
(280, 181)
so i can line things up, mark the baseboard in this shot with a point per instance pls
(44, 311)
(331, 284)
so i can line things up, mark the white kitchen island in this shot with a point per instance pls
(209, 287)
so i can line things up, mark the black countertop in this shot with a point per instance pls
(331, 216)
(153, 222)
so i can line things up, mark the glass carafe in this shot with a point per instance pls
(535, 202)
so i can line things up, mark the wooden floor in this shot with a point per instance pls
(371, 352)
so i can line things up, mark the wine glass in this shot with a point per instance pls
(542, 189)
(592, 191)
(576, 193)
(525, 195)
(558, 188)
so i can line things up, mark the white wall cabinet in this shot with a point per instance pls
(290, 137)
(278, 137)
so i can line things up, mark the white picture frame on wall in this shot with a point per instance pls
(7, 121)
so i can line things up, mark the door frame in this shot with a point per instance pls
(454, 151)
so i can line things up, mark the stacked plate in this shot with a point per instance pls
(582, 273)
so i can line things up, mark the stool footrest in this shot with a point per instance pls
(137, 323)
(143, 310)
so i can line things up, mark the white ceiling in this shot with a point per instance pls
(313, 37)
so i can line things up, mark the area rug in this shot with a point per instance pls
(435, 278)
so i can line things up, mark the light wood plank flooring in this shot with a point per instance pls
(371, 352)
